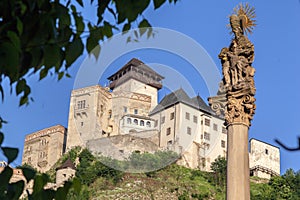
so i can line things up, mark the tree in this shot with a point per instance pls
(219, 170)
(39, 35)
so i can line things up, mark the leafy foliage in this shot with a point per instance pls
(219, 167)
(42, 36)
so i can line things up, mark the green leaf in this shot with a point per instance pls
(130, 9)
(102, 5)
(68, 75)
(96, 51)
(20, 86)
(23, 100)
(73, 50)
(61, 193)
(28, 173)
(10, 153)
(9, 57)
(14, 38)
(158, 3)
(91, 43)
(60, 75)
(107, 29)
(1, 136)
(19, 26)
(15, 190)
(39, 182)
(143, 25)
(80, 2)
(5, 176)
(43, 73)
(52, 55)
(126, 27)
(2, 93)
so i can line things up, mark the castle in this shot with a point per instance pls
(126, 117)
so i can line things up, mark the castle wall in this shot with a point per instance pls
(264, 159)
(138, 87)
(43, 148)
(89, 115)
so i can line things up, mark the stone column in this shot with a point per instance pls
(235, 101)
(237, 162)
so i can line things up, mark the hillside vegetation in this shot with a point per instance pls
(172, 182)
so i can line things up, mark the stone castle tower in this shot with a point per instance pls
(97, 112)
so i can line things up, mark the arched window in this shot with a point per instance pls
(148, 124)
(128, 120)
(142, 123)
(135, 121)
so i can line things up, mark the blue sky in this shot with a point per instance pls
(277, 49)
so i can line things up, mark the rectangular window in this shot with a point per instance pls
(125, 109)
(81, 104)
(267, 151)
(135, 111)
(206, 136)
(224, 130)
(163, 119)
(195, 119)
(189, 130)
(187, 116)
(81, 123)
(223, 144)
(207, 122)
(172, 116)
(168, 131)
(215, 127)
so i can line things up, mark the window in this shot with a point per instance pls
(81, 104)
(109, 114)
(163, 119)
(172, 116)
(195, 119)
(135, 121)
(148, 124)
(206, 136)
(125, 109)
(215, 127)
(187, 116)
(189, 130)
(135, 111)
(142, 123)
(223, 144)
(43, 142)
(168, 131)
(81, 123)
(170, 142)
(224, 130)
(128, 120)
(266, 151)
(207, 122)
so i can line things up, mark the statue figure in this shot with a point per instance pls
(237, 59)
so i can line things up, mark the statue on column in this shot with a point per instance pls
(235, 98)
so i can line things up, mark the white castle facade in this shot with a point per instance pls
(127, 117)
